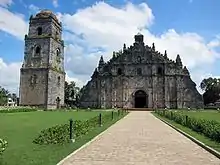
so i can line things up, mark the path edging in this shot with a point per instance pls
(88, 143)
(207, 148)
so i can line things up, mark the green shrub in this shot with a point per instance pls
(3, 145)
(60, 133)
(209, 128)
(14, 110)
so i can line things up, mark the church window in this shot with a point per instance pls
(159, 71)
(139, 71)
(58, 55)
(37, 50)
(58, 52)
(58, 80)
(139, 59)
(39, 31)
(119, 71)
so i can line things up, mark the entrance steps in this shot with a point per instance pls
(139, 109)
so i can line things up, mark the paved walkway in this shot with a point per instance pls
(142, 139)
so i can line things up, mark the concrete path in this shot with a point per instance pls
(142, 139)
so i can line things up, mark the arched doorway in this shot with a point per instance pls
(58, 102)
(140, 99)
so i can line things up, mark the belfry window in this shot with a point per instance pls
(119, 71)
(37, 51)
(58, 55)
(58, 80)
(58, 52)
(39, 31)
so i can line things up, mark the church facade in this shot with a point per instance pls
(140, 77)
(42, 75)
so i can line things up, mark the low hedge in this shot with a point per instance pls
(208, 128)
(3, 145)
(60, 133)
(14, 110)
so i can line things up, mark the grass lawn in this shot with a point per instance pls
(204, 114)
(19, 129)
(210, 115)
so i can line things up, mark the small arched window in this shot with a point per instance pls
(58, 52)
(139, 59)
(58, 80)
(159, 71)
(58, 55)
(119, 71)
(39, 31)
(139, 71)
(37, 51)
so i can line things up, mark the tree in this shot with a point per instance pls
(14, 97)
(71, 94)
(3, 95)
(211, 86)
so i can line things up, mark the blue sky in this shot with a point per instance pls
(188, 27)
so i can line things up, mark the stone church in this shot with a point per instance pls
(140, 77)
(42, 75)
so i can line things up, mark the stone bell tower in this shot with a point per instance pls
(42, 76)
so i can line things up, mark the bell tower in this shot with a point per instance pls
(42, 76)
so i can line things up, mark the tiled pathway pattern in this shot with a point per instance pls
(142, 139)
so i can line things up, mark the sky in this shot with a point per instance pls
(190, 28)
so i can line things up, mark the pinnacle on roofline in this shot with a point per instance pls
(178, 60)
(101, 61)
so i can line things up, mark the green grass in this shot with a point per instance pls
(200, 137)
(204, 114)
(19, 129)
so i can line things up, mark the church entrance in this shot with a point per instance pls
(58, 102)
(140, 99)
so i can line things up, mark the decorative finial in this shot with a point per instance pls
(95, 73)
(185, 70)
(30, 17)
(178, 60)
(114, 54)
(153, 47)
(165, 54)
(124, 47)
(101, 61)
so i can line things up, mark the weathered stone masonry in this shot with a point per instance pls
(140, 76)
(42, 74)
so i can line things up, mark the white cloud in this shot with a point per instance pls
(108, 25)
(13, 23)
(214, 43)
(192, 48)
(79, 82)
(102, 25)
(55, 3)
(33, 9)
(9, 75)
(5, 3)
(105, 27)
